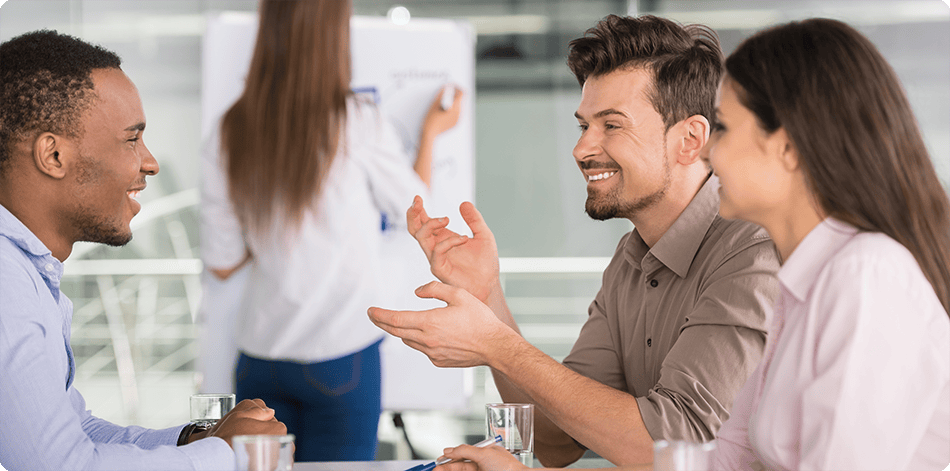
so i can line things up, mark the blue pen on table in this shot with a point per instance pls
(430, 466)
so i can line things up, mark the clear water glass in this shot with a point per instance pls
(207, 409)
(515, 424)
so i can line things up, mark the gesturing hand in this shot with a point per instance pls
(464, 333)
(470, 263)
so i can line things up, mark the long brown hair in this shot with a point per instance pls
(685, 61)
(856, 136)
(281, 135)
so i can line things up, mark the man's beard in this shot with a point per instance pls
(97, 229)
(611, 204)
(90, 226)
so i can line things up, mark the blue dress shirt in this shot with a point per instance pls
(44, 423)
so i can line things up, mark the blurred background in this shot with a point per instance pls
(133, 330)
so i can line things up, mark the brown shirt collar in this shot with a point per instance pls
(677, 248)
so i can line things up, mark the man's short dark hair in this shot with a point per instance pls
(45, 85)
(686, 61)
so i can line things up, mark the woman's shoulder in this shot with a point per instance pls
(875, 264)
(874, 248)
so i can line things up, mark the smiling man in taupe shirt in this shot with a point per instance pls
(680, 321)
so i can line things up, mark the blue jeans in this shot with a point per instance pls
(331, 407)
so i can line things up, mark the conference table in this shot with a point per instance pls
(404, 465)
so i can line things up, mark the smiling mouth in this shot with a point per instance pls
(601, 176)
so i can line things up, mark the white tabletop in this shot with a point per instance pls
(404, 465)
(357, 466)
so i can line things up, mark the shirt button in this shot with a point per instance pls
(654, 283)
(49, 267)
(649, 342)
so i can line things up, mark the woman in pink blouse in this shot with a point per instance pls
(815, 141)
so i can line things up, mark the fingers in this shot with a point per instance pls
(446, 244)
(457, 102)
(254, 409)
(457, 466)
(475, 221)
(431, 229)
(402, 324)
(416, 215)
(441, 291)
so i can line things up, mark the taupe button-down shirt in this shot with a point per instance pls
(682, 325)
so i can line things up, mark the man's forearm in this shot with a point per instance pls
(552, 446)
(604, 419)
(496, 302)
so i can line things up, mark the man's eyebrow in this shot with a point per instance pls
(601, 114)
(608, 112)
(136, 127)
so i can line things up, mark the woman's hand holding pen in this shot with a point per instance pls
(439, 119)
(492, 458)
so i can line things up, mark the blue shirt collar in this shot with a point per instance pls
(48, 266)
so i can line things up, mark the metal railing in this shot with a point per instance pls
(135, 316)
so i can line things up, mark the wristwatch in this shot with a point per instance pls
(190, 429)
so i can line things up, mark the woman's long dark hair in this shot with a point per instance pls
(857, 138)
(281, 135)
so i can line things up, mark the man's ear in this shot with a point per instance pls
(50, 155)
(694, 136)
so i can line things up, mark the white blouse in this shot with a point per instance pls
(308, 290)
(856, 372)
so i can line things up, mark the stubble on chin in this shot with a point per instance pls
(609, 205)
(98, 230)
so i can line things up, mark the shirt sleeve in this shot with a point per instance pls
(44, 423)
(718, 348)
(882, 350)
(733, 450)
(380, 152)
(221, 235)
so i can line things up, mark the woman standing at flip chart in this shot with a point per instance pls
(295, 188)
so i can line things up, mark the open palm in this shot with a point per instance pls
(470, 263)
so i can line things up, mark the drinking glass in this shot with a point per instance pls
(515, 424)
(678, 455)
(263, 452)
(207, 409)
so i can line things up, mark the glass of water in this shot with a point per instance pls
(263, 452)
(677, 455)
(207, 409)
(515, 424)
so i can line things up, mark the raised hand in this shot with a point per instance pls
(464, 333)
(439, 119)
(492, 458)
(470, 263)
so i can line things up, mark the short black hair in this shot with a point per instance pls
(45, 85)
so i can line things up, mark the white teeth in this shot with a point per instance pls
(600, 176)
(134, 194)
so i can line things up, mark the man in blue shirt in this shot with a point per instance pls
(72, 162)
